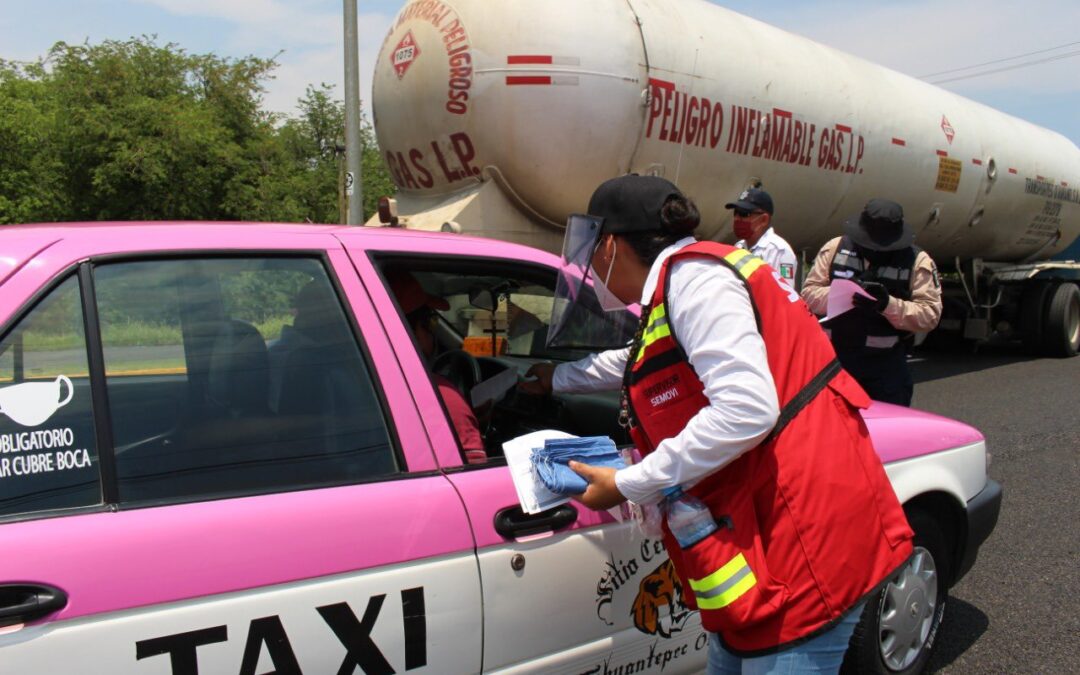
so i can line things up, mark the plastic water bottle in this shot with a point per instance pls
(687, 517)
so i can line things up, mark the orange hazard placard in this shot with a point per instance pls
(948, 176)
(480, 345)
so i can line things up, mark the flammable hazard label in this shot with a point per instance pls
(948, 177)
(405, 53)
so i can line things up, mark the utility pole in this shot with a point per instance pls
(353, 187)
(342, 200)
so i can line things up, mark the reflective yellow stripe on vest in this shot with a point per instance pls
(655, 329)
(743, 262)
(725, 585)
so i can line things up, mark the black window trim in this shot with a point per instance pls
(323, 257)
(106, 446)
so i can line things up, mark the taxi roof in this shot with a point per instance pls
(21, 243)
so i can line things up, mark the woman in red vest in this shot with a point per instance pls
(733, 393)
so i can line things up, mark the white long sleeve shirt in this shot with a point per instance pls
(712, 316)
(774, 249)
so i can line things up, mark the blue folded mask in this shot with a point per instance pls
(551, 461)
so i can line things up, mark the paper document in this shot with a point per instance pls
(841, 293)
(532, 494)
(493, 388)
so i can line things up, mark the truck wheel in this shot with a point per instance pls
(898, 625)
(1061, 332)
(1033, 314)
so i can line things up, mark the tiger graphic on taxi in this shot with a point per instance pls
(658, 607)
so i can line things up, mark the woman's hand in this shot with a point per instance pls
(602, 492)
(543, 372)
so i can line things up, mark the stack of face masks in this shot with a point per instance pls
(551, 461)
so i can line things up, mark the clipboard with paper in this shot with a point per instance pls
(841, 299)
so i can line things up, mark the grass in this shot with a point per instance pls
(135, 334)
(128, 334)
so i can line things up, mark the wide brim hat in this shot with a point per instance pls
(880, 227)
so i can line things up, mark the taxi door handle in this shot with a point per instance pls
(20, 603)
(513, 523)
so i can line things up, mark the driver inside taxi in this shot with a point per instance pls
(421, 314)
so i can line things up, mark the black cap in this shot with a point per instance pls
(631, 203)
(753, 199)
(880, 227)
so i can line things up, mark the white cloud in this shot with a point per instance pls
(309, 37)
(230, 10)
(930, 36)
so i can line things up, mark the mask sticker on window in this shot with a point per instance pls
(31, 404)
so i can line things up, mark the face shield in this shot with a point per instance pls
(577, 318)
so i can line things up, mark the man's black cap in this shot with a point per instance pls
(631, 203)
(880, 227)
(753, 199)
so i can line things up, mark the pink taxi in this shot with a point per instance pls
(221, 451)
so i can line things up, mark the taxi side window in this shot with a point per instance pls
(228, 377)
(48, 448)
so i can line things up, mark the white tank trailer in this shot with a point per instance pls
(498, 119)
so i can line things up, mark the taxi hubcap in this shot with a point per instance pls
(907, 611)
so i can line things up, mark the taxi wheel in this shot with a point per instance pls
(897, 631)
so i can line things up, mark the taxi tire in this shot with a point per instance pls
(864, 653)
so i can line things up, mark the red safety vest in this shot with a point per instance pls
(809, 523)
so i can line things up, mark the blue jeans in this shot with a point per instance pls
(823, 654)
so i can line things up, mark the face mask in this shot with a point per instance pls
(608, 300)
(744, 229)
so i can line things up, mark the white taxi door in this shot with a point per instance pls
(574, 591)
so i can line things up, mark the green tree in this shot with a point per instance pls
(303, 180)
(152, 132)
(134, 130)
(32, 172)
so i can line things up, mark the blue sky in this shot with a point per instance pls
(915, 37)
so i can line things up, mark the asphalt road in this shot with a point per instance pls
(1018, 610)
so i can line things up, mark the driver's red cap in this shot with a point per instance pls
(411, 295)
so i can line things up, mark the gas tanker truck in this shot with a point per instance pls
(498, 119)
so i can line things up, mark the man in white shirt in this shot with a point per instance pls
(753, 226)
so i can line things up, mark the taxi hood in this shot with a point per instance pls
(902, 433)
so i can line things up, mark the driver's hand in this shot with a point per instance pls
(543, 372)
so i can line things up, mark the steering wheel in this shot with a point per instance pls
(460, 367)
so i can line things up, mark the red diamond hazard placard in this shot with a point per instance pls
(950, 133)
(405, 53)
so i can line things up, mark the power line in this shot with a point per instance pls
(990, 63)
(1027, 64)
